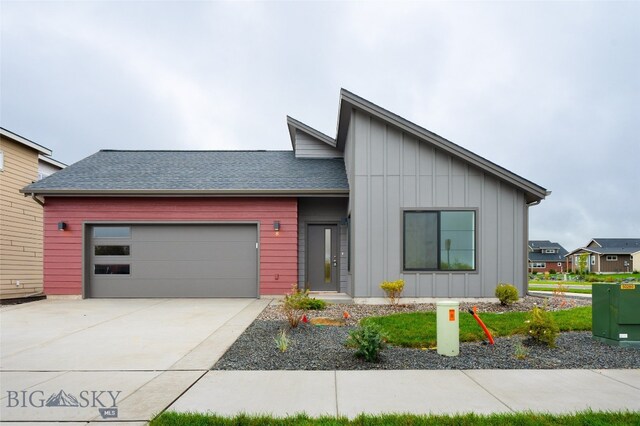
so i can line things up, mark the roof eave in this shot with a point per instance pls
(184, 192)
(590, 250)
(51, 161)
(350, 101)
(24, 141)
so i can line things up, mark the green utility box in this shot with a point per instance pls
(616, 314)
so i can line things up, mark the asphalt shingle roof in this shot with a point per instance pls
(539, 256)
(542, 244)
(617, 250)
(618, 242)
(109, 170)
(546, 257)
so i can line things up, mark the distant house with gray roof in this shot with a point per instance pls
(547, 256)
(383, 199)
(609, 255)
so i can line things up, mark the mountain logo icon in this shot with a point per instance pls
(62, 399)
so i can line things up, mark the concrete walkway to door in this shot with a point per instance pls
(142, 353)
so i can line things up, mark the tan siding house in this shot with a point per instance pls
(609, 255)
(20, 217)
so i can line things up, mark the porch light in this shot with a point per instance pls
(276, 225)
(62, 226)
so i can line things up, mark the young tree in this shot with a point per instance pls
(583, 260)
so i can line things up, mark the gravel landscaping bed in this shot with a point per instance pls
(357, 312)
(323, 348)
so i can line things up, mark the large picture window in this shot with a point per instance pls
(439, 240)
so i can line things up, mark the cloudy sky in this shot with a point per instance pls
(550, 91)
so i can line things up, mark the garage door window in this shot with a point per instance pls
(112, 232)
(112, 250)
(112, 269)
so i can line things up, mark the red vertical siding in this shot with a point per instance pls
(63, 249)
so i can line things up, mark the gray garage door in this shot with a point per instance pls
(171, 261)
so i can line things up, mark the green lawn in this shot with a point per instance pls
(600, 278)
(617, 276)
(521, 419)
(418, 329)
(585, 290)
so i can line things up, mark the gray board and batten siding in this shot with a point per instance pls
(391, 171)
(309, 147)
(308, 142)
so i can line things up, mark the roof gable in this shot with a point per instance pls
(311, 143)
(349, 101)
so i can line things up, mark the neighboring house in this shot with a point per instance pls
(48, 166)
(384, 199)
(609, 255)
(545, 256)
(21, 163)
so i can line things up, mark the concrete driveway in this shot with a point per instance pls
(111, 359)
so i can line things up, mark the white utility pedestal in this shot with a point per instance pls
(448, 327)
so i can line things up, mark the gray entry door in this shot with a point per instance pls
(172, 261)
(322, 258)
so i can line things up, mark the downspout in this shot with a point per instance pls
(525, 282)
(36, 199)
(526, 240)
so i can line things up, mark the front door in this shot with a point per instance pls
(322, 258)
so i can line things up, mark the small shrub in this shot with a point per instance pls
(312, 304)
(534, 272)
(553, 271)
(393, 290)
(297, 302)
(521, 351)
(559, 297)
(282, 341)
(368, 341)
(542, 327)
(507, 294)
(293, 305)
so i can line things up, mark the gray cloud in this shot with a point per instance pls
(547, 90)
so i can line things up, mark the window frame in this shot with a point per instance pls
(612, 258)
(437, 270)
(96, 255)
(111, 274)
(111, 237)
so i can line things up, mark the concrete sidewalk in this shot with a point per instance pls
(349, 393)
(567, 295)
